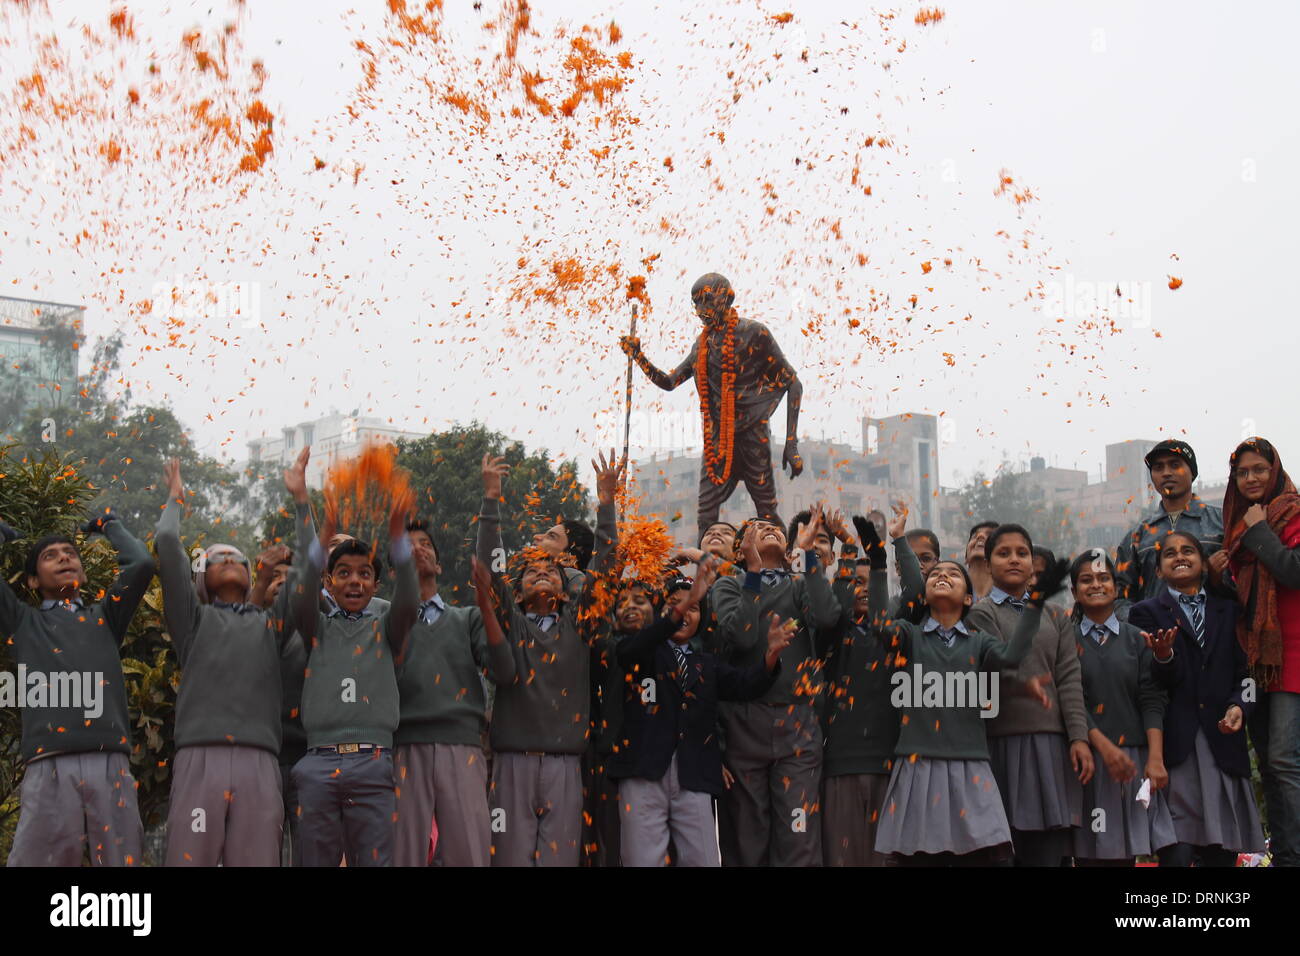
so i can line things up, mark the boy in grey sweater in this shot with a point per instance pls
(78, 795)
(225, 798)
(440, 767)
(541, 719)
(349, 697)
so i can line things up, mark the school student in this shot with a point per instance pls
(350, 710)
(541, 720)
(439, 768)
(670, 766)
(1202, 667)
(78, 796)
(633, 609)
(774, 744)
(1262, 547)
(1172, 468)
(860, 724)
(1125, 710)
(226, 804)
(943, 806)
(977, 565)
(1041, 757)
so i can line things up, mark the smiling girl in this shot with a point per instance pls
(943, 806)
(1125, 711)
(1041, 757)
(1200, 664)
(1262, 548)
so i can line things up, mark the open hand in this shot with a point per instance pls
(295, 478)
(494, 467)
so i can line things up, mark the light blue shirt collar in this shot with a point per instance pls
(1179, 595)
(1000, 596)
(932, 625)
(1111, 624)
(73, 604)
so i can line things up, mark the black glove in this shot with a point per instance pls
(871, 543)
(96, 524)
(1050, 582)
(8, 533)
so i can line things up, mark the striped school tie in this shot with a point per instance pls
(1194, 606)
(683, 673)
(1099, 634)
(1017, 603)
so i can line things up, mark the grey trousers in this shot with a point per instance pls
(225, 807)
(74, 804)
(654, 810)
(851, 806)
(345, 808)
(775, 754)
(536, 805)
(289, 796)
(446, 783)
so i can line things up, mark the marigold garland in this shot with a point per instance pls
(723, 448)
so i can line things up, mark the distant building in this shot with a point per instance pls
(899, 458)
(336, 437)
(38, 351)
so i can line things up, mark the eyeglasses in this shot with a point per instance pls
(1255, 471)
(227, 557)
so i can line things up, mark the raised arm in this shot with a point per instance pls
(11, 608)
(401, 613)
(304, 601)
(487, 639)
(735, 604)
(135, 569)
(909, 569)
(666, 380)
(609, 475)
(180, 600)
(1007, 656)
(491, 553)
(819, 605)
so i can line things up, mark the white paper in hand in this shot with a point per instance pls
(1144, 793)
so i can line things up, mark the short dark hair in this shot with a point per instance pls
(1086, 559)
(35, 551)
(920, 609)
(976, 529)
(355, 546)
(713, 524)
(1001, 531)
(420, 524)
(802, 517)
(1196, 542)
(928, 535)
(582, 541)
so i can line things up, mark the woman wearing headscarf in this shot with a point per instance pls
(1261, 511)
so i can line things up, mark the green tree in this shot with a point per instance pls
(45, 494)
(445, 472)
(445, 475)
(1007, 498)
(120, 449)
(60, 342)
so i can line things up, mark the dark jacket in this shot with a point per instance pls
(1138, 554)
(658, 720)
(1201, 682)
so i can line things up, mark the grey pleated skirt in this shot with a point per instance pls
(941, 806)
(1210, 807)
(1115, 826)
(1039, 788)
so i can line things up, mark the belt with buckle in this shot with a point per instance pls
(346, 749)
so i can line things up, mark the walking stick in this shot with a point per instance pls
(627, 418)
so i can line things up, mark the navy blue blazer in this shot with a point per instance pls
(1201, 683)
(658, 720)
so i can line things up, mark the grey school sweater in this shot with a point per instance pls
(82, 645)
(230, 659)
(1053, 652)
(547, 707)
(349, 694)
(442, 697)
(743, 608)
(944, 730)
(1121, 698)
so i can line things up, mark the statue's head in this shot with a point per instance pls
(712, 295)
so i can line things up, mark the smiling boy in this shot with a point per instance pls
(77, 794)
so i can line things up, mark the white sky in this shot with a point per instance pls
(1145, 131)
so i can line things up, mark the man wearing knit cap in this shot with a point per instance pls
(1172, 465)
(743, 359)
